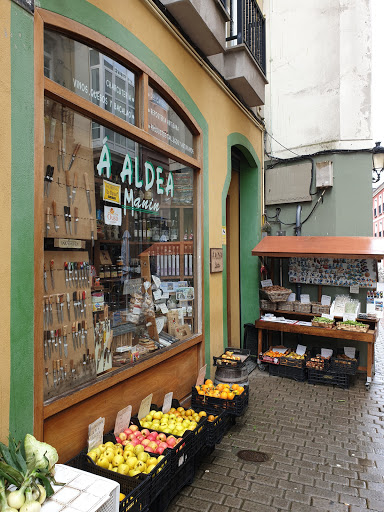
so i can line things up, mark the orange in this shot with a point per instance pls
(204, 387)
(220, 387)
(197, 388)
(231, 396)
(241, 389)
(211, 417)
(208, 382)
(202, 413)
(235, 386)
(224, 395)
(201, 392)
(188, 413)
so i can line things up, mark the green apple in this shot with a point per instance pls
(152, 460)
(103, 462)
(157, 415)
(143, 456)
(138, 448)
(131, 462)
(150, 468)
(117, 460)
(149, 417)
(123, 469)
(140, 466)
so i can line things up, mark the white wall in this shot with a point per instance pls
(319, 73)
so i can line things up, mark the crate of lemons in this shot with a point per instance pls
(128, 460)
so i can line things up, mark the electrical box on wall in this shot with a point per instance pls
(324, 174)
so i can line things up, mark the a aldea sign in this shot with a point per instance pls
(152, 178)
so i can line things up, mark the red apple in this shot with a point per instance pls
(154, 433)
(145, 442)
(131, 436)
(153, 445)
(127, 431)
(137, 433)
(134, 428)
(161, 436)
(123, 436)
(140, 438)
(160, 450)
(118, 440)
(163, 445)
(145, 432)
(151, 437)
(171, 441)
(134, 442)
(148, 449)
(125, 442)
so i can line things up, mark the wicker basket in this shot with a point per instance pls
(267, 305)
(285, 306)
(319, 309)
(301, 308)
(323, 325)
(354, 328)
(276, 295)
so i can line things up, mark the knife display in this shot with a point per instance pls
(54, 212)
(74, 187)
(75, 151)
(87, 191)
(76, 218)
(48, 179)
(47, 226)
(68, 187)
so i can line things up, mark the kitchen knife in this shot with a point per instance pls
(65, 340)
(88, 192)
(76, 218)
(74, 187)
(68, 186)
(75, 151)
(47, 226)
(66, 219)
(54, 211)
(51, 268)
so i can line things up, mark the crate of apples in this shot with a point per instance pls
(147, 441)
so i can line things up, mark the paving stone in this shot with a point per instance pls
(233, 502)
(219, 508)
(192, 503)
(259, 496)
(205, 494)
(249, 506)
(329, 505)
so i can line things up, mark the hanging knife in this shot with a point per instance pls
(76, 218)
(75, 151)
(68, 187)
(47, 226)
(64, 137)
(50, 310)
(82, 333)
(77, 334)
(86, 332)
(61, 368)
(69, 306)
(57, 365)
(76, 274)
(65, 370)
(45, 279)
(85, 302)
(66, 274)
(51, 268)
(81, 303)
(72, 366)
(62, 308)
(53, 340)
(70, 269)
(59, 338)
(74, 335)
(74, 298)
(92, 234)
(65, 340)
(48, 179)
(49, 343)
(60, 156)
(74, 187)
(44, 313)
(87, 192)
(66, 219)
(47, 375)
(58, 307)
(54, 373)
(69, 220)
(45, 345)
(54, 211)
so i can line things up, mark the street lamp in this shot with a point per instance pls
(377, 161)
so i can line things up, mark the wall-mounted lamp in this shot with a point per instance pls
(377, 162)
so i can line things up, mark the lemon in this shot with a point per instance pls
(122, 496)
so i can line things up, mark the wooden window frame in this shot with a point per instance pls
(44, 87)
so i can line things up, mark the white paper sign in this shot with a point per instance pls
(291, 297)
(350, 352)
(131, 286)
(349, 316)
(266, 282)
(157, 294)
(201, 376)
(325, 300)
(354, 289)
(279, 349)
(167, 403)
(95, 433)
(122, 420)
(112, 216)
(326, 352)
(145, 407)
(301, 349)
(304, 298)
(325, 315)
(165, 295)
(157, 281)
(163, 308)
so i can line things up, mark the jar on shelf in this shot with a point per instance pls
(101, 272)
(107, 271)
(113, 271)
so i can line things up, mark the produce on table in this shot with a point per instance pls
(224, 391)
(273, 353)
(29, 468)
(129, 460)
(293, 355)
(175, 422)
(229, 355)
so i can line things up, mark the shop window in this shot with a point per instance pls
(126, 289)
(166, 125)
(90, 74)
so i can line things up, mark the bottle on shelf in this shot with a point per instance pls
(149, 230)
(169, 261)
(158, 267)
(140, 234)
(144, 229)
(177, 263)
(191, 235)
(190, 261)
(186, 235)
(173, 261)
(186, 260)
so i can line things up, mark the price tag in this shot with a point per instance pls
(157, 294)
(163, 308)
(304, 299)
(167, 404)
(266, 282)
(350, 352)
(95, 433)
(301, 349)
(165, 295)
(291, 297)
(354, 288)
(122, 420)
(325, 315)
(201, 376)
(157, 281)
(145, 407)
(349, 316)
(325, 300)
(326, 352)
(281, 350)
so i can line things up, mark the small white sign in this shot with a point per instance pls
(112, 215)
(266, 282)
(167, 403)
(145, 407)
(165, 295)
(157, 281)
(349, 316)
(201, 376)
(326, 352)
(95, 433)
(157, 294)
(122, 420)
(291, 297)
(163, 308)
(350, 352)
(325, 315)
(325, 300)
(354, 288)
(301, 349)
(279, 349)
(305, 299)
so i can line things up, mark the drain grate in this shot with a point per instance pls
(253, 456)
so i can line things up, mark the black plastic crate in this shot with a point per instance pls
(216, 428)
(221, 361)
(290, 372)
(342, 380)
(137, 490)
(213, 405)
(341, 365)
(160, 473)
(184, 476)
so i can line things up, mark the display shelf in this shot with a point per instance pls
(298, 313)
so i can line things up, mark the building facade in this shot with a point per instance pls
(378, 211)
(132, 167)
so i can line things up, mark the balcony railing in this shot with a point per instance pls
(247, 26)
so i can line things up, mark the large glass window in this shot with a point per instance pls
(90, 74)
(119, 237)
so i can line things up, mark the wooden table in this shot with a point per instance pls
(367, 337)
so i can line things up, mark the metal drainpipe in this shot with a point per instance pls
(298, 233)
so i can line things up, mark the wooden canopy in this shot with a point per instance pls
(321, 246)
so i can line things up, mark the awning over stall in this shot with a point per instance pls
(321, 246)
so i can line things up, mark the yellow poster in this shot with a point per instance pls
(111, 192)
(224, 235)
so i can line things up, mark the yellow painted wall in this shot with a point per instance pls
(5, 208)
(234, 261)
(217, 107)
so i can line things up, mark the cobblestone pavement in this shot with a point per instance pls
(325, 445)
(379, 355)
